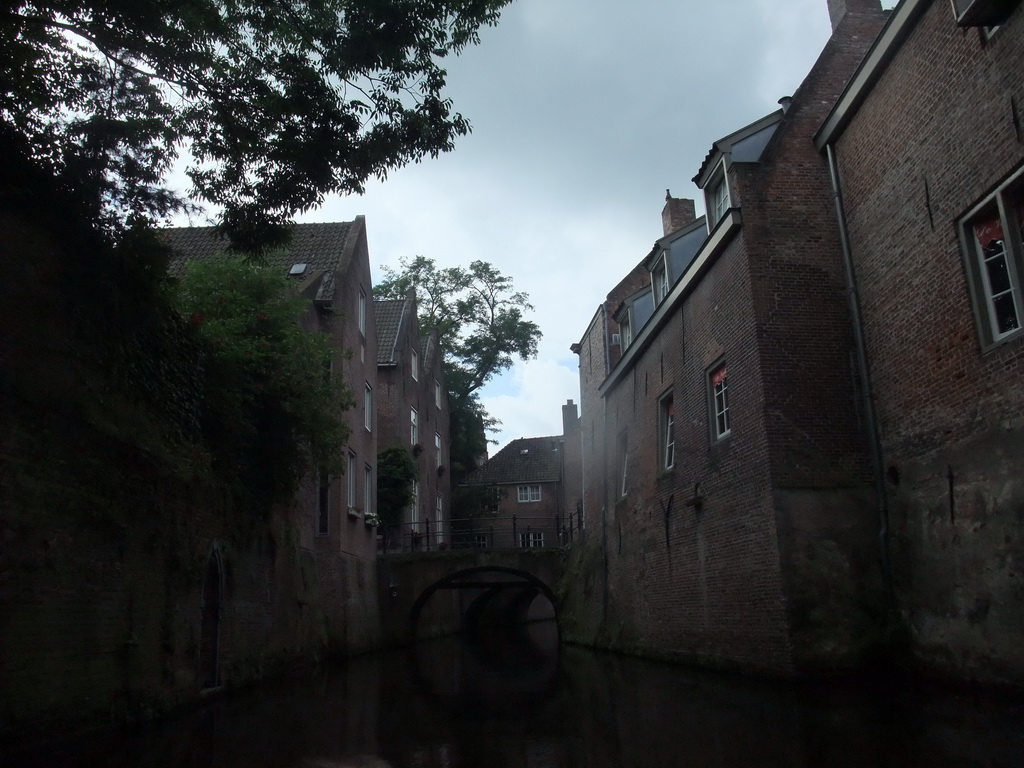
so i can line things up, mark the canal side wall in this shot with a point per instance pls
(755, 548)
(113, 546)
(950, 403)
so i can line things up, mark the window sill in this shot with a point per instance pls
(353, 512)
(1008, 339)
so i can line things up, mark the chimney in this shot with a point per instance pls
(837, 9)
(677, 213)
(570, 419)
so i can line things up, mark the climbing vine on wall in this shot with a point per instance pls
(272, 409)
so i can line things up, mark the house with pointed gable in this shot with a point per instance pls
(726, 473)
(333, 516)
(412, 412)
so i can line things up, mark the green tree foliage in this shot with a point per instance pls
(277, 102)
(396, 471)
(272, 411)
(482, 327)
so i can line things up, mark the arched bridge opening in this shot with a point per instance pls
(488, 597)
(506, 656)
(462, 592)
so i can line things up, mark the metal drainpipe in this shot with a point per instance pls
(867, 392)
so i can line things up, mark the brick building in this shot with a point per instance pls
(724, 465)
(329, 264)
(412, 412)
(932, 206)
(532, 490)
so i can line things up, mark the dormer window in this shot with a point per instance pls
(659, 279)
(625, 333)
(717, 199)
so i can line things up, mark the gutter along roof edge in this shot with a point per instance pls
(722, 234)
(899, 25)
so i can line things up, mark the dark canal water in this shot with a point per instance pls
(501, 702)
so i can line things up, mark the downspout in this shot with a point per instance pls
(604, 474)
(863, 370)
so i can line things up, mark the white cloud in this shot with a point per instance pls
(533, 406)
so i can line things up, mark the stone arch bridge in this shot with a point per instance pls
(430, 594)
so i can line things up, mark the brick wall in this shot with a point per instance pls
(102, 572)
(951, 415)
(754, 550)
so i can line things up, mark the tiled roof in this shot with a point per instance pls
(526, 460)
(320, 246)
(389, 314)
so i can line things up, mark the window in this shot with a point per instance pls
(437, 447)
(414, 426)
(480, 540)
(717, 199)
(659, 279)
(368, 491)
(368, 408)
(439, 518)
(414, 509)
(437, 393)
(666, 431)
(975, 13)
(361, 312)
(623, 459)
(531, 539)
(991, 235)
(625, 332)
(323, 506)
(718, 380)
(350, 472)
(528, 493)
(414, 365)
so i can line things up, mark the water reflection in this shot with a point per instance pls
(500, 700)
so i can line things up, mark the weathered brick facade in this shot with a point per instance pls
(950, 403)
(411, 380)
(128, 581)
(527, 477)
(754, 549)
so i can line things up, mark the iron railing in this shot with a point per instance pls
(516, 531)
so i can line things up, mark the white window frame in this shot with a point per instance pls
(414, 426)
(659, 279)
(1003, 210)
(718, 392)
(717, 199)
(414, 364)
(361, 312)
(439, 518)
(350, 482)
(368, 490)
(437, 393)
(414, 508)
(528, 494)
(368, 407)
(666, 431)
(437, 446)
(626, 328)
(531, 540)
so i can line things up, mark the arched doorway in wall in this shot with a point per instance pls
(209, 632)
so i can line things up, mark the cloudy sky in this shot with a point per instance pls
(584, 112)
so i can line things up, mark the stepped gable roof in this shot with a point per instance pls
(321, 247)
(390, 314)
(526, 460)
